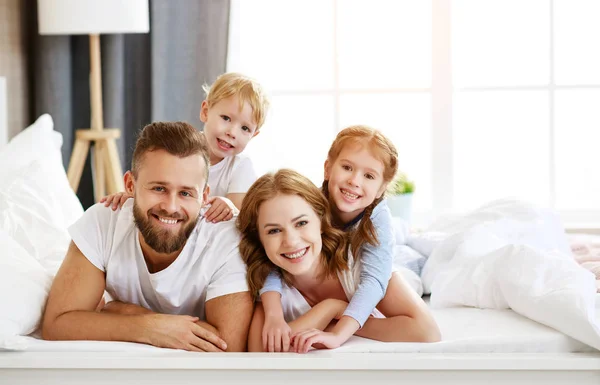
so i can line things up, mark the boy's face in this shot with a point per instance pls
(227, 128)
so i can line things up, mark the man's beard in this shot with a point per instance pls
(162, 241)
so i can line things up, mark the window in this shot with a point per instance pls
(483, 98)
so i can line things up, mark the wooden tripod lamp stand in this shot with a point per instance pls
(94, 17)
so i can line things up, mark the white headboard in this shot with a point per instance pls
(3, 113)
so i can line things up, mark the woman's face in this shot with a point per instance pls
(290, 232)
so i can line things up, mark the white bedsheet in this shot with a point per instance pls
(464, 330)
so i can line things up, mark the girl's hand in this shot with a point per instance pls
(318, 339)
(221, 209)
(276, 334)
(117, 200)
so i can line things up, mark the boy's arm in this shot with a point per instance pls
(236, 199)
(70, 313)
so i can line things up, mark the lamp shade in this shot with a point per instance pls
(84, 17)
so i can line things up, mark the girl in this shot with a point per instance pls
(360, 164)
(286, 227)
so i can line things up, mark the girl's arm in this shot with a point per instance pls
(276, 332)
(408, 317)
(376, 270)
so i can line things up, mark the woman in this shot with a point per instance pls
(286, 227)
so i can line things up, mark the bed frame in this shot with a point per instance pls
(181, 368)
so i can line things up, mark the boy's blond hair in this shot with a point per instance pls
(245, 88)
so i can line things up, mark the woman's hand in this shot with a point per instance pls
(117, 200)
(303, 341)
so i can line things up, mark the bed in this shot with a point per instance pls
(491, 345)
(495, 346)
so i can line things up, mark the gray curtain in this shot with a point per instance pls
(145, 77)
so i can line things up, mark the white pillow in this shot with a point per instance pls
(31, 213)
(40, 143)
(24, 287)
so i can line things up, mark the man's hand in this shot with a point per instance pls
(276, 334)
(221, 209)
(181, 332)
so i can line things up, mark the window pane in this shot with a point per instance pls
(501, 147)
(500, 43)
(577, 123)
(406, 120)
(284, 44)
(384, 44)
(577, 38)
(297, 135)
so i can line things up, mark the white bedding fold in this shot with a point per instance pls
(511, 255)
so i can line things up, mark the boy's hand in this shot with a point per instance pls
(276, 334)
(221, 209)
(117, 200)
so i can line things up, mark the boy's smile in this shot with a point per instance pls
(228, 126)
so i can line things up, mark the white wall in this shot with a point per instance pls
(3, 113)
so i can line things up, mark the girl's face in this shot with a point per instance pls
(355, 181)
(290, 232)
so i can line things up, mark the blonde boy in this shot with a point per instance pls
(233, 113)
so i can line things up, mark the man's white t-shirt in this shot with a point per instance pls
(234, 174)
(208, 266)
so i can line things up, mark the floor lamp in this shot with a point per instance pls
(94, 17)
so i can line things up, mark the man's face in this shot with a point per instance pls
(168, 194)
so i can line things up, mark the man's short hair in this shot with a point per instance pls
(177, 138)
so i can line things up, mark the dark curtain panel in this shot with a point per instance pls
(145, 77)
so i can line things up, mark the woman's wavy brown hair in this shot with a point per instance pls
(334, 253)
(382, 149)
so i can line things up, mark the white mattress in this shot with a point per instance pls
(464, 330)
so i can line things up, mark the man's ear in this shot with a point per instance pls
(204, 111)
(129, 181)
(256, 133)
(326, 169)
(205, 194)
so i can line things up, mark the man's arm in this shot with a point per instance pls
(231, 314)
(118, 307)
(76, 291)
(70, 314)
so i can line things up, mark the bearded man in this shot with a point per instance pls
(175, 280)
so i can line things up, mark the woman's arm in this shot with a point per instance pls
(408, 317)
(318, 317)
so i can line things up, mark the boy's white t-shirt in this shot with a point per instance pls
(234, 174)
(208, 266)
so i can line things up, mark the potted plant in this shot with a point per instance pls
(399, 196)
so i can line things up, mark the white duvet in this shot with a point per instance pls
(509, 254)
